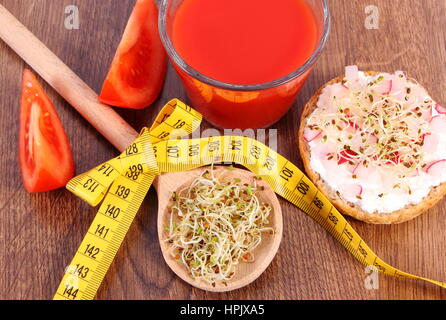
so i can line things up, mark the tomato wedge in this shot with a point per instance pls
(138, 69)
(45, 155)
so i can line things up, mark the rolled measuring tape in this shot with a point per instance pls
(122, 183)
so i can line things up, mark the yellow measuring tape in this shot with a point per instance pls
(122, 183)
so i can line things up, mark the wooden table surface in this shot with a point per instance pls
(39, 233)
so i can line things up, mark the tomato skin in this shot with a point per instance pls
(138, 69)
(45, 157)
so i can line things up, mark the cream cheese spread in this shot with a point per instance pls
(378, 140)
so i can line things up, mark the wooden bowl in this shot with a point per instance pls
(245, 273)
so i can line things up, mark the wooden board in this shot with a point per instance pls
(39, 233)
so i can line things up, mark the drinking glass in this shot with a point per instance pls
(230, 105)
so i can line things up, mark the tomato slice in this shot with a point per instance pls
(138, 69)
(45, 155)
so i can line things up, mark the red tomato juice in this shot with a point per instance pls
(244, 42)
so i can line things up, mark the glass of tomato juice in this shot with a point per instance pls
(243, 62)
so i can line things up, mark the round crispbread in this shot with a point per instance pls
(407, 213)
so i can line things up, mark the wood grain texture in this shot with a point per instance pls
(39, 233)
(65, 82)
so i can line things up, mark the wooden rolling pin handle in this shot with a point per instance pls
(76, 92)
